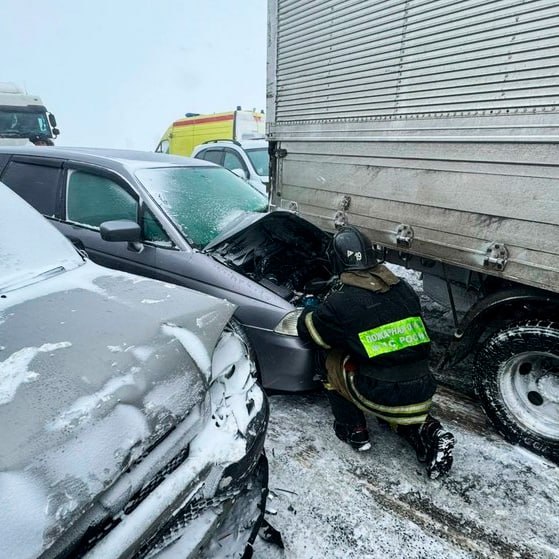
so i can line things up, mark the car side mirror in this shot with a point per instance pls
(240, 173)
(122, 230)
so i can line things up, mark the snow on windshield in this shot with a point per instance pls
(29, 245)
(200, 199)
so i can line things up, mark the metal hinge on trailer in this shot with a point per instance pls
(340, 217)
(496, 257)
(275, 151)
(404, 235)
(289, 205)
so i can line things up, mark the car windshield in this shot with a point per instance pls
(202, 201)
(17, 123)
(260, 160)
(30, 247)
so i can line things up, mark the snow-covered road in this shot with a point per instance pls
(331, 502)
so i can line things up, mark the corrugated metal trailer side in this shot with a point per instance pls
(432, 124)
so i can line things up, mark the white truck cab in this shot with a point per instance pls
(24, 119)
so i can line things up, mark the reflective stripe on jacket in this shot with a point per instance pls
(382, 329)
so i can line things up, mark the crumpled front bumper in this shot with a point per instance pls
(210, 511)
(216, 492)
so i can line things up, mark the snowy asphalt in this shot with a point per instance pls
(331, 502)
(328, 501)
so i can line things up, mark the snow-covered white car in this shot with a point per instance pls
(248, 159)
(132, 422)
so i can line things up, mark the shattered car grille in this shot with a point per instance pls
(147, 489)
(97, 533)
(228, 507)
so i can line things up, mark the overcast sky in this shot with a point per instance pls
(117, 72)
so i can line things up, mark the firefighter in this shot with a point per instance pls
(374, 353)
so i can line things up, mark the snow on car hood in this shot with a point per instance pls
(95, 366)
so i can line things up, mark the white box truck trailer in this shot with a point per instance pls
(433, 125)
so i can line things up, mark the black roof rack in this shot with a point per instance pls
(223, 140)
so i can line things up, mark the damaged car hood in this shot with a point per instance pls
(96, 366)
(286, 225)
(279, 250)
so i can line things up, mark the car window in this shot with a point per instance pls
(213, 155)
(163, 147)
(233, 161)
(93, 199)
(260, 160)
(4, 158)
(36, 184)
(152, 230)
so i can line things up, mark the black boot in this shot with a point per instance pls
(356, 436)
(432, 445)
(350, 425)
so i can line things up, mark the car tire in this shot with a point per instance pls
(517, 381)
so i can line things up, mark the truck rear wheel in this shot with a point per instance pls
(517, 381)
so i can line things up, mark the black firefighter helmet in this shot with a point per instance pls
(351, 250)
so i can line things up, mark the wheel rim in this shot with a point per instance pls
(529, 384)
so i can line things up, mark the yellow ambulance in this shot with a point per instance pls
(194, 129)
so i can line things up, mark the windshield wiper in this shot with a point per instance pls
(26, 280)
(49, 273)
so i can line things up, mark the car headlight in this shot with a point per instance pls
(288, 324)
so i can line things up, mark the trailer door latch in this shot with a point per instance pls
(496, 257)
(404, 235)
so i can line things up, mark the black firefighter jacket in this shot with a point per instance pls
(379, 324)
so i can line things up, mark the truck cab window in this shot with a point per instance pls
(20, 123)
(93, 199)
